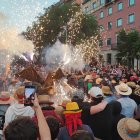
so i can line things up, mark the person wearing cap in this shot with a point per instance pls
(18, 109)
(129, 129)
(73, 122)
(100, 122)
(109, 97)
(129, 106)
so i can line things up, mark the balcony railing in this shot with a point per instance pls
(85, 1)
(108, 2)
(114, 46)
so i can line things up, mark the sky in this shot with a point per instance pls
(21, 13)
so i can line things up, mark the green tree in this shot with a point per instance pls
(63, 21)
(128, 46)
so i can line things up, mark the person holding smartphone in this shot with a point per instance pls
(18, 109)
(24, 128)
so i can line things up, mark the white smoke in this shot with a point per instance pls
(11, 43)
(62, 56)
(2, 17)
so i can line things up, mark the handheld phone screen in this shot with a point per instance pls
(29, 95)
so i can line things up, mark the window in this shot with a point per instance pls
(86, 9)
(94, 5)
(109, 25)
(131, 18)
(108, 41)
(102, 2)
(101, 14)
(119, 22)
(109, 10)
(100, 43)
(131, 2)
(101, 28)
(120, 6)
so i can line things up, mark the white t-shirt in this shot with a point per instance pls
(17, 110)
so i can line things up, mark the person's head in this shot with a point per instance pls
(78, 96)
(132, 85)
(19, 94)
(5, 98)
(106, 91)
(129, 129)
(96, 94)
(72, 117)
(54, 126)
(82, 135)
(123, 89)
(22, 128)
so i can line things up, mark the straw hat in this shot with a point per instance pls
(98, 80)
(129, 129)
(95, 91)
(123, 89)
(72, 108)
(5, 98)
(106, 90)
(88, 77)
(131, 84)
(44, 99)
(137, 91)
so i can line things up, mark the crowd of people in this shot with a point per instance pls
(104, 106)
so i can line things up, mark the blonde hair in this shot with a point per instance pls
(19, 93)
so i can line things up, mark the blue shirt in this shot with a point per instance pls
(110, 98)
(128, 106)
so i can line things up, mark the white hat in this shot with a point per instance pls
(95, 91)
(123, 89)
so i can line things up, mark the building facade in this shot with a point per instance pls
(112, 16)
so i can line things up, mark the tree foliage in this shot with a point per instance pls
(61, 21)
(129, 45)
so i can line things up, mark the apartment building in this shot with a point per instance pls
(112, 16)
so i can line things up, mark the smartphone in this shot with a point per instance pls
(29, 95)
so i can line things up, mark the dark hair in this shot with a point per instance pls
(96, 100)
(54, 126)
(22, 128)
(82, 135)
(76, 99)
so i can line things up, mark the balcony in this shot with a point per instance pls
(113, 46)
(108, 2)
(85, 1)
(109, 47)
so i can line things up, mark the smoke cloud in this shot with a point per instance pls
(2, 17)
(62, 56)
